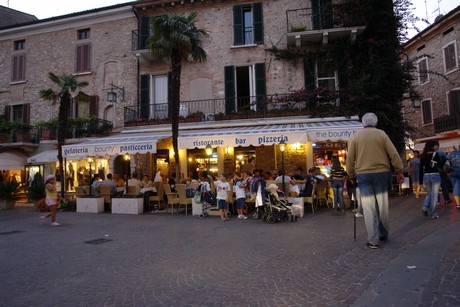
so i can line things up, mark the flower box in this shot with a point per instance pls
(127, 205)
(90, 205)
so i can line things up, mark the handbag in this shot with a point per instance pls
(446, 167)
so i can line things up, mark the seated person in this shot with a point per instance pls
(146, 182)
(118, 181)
(299, 180)
(95, 182)
(293, 188)
(109, 182)
(135, 182)
(310, 180)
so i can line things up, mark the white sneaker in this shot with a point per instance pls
(55, 224)
(357, 214)
(244, 217)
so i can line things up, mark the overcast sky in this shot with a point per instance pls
(427, 9)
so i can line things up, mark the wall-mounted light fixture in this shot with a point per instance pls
(112, 95)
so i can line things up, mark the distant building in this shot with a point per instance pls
(10, 17)
(436, 54)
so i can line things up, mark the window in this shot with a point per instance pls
(427, 115)
(248, 24)
(154, 91)
(326, 74)
(450, 57)
(18, 113)
(453, 101)
(18, 68)
(20, 45)
(84, 34)
(83, 58)
(423, 71)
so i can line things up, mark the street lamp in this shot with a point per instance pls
(127, 158)
(282, 146)
(90, 160)
(208, 150)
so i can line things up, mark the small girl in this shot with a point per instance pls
(51, 199)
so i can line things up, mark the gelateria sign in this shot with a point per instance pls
(83, 150)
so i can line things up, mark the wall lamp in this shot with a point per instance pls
(112, 95)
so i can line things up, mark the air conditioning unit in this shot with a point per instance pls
(210, 117)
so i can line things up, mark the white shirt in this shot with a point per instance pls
(240, 191)
(222, 189)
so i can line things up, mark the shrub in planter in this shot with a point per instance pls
(9, 193)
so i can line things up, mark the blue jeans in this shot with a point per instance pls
(431, 181)
(373, 188)
(337, 189)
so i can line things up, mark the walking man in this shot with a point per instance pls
(374, 153)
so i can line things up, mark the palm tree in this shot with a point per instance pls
(66, 85)
(175, 37)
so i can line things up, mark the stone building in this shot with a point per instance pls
(435, 52)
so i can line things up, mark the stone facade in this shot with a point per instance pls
(429, 44)
(50, 46)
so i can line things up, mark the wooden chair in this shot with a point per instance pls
(321, 195)
(310, 200)
(107, 195)
(80, 191)
(133, 191)
(159, 197)
(173, 198)
(183, 200)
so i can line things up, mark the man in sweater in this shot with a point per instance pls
(374, 153)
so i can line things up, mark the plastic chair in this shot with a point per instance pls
(173, 198)
(183, 199)
(80, 191)
(311, 199)
(133, 191)
(160, 195)
(321, 195)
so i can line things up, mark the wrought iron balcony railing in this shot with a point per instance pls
(219, 109)
(78, 129)
(447, 123)
(331, 16)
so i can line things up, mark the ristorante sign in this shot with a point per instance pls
(107, 149)
(241, 140)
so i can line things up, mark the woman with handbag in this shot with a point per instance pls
(453, 159)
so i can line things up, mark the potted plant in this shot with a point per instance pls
(36, 191)
(9, 193)
(47, 128)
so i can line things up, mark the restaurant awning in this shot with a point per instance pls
(114, 145)
(12, 161)
(269, 134)
(44, 157)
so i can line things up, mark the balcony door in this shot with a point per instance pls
(154, 97)
(243, 84)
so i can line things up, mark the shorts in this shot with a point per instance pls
(240, 203)
(222, 204)
(50, 201)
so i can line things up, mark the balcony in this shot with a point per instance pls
(76, 129)
(304, 26)
(139, 46)
(299, 103)
(447, 123)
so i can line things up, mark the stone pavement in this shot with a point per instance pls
(178, 260)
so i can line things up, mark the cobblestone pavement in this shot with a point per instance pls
(178, 260)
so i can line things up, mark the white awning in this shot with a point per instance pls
(445, 145)
(44, 157)
(269, 134)
(114, 145)
(12, 161)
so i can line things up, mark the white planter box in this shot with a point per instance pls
(127, 205)
(90, 205)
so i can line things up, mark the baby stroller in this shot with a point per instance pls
(276, 209)
(208, 200)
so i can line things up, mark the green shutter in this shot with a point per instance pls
(93, 105)
(309, 72)
(144, 96)
(258, 25)
(229, 76)
(342, 69)
(261, 85)
(238, 29)
(143, 31)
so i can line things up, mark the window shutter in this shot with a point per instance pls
(144, 100)
(426, 110)
(144, 32)
(454, 102)
(238, 29)
(93, 105)
(342, 69)
(258, 25)
(26, 113)
(309, 72)
(229, 89)
(83, 58)
(261, 86)
(79, 52)
(19, 67)
(8, 113)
